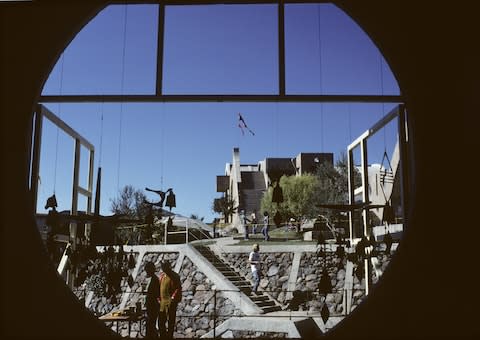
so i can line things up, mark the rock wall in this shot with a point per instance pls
(101, 305)
(196, 313)
(140, 284)
(309, 275)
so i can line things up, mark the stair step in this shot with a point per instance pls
(271, 309)
(235, 278)
(267, 303)
(258, 298)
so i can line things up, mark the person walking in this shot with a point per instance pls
(254, 259)
(266, 221)
(151, 301)
(170, 296)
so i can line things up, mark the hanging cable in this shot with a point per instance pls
(320, 76)
(162, 148)
(58, 129)
(383, 103)
(122, 84)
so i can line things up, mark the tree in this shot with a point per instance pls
(333, 185)
(224, 205)
(299, 197)
(130, 202)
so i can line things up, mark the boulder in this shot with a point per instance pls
(273, 270)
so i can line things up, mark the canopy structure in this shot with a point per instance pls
(186, 222)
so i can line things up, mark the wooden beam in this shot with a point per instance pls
(65, 127)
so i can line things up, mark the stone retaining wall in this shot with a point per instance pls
(196, 312)
(309, 274)
(101, 305)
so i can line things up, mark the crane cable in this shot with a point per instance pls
(122, 84)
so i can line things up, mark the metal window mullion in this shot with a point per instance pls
(160, 46)
(281, 48)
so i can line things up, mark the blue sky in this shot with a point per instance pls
(215, 49)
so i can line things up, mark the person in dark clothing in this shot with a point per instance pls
(170, 296)
(151, 302)
(388, 242)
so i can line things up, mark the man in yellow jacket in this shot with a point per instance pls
(170, 296)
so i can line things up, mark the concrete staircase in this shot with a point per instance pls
(264, 302)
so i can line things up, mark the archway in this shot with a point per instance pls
(394, 45)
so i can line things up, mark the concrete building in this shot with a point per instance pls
(246, 183)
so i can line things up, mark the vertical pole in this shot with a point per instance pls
(166, 233)
(76, 168)
(88, 226)
(351, 192)
(160, 39)
(365, 194)
(366, 199)
(37, 144)
(402, 143)
(186, 228)
(214, 312)
(281, 48)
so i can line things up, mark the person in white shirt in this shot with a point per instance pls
(254, 259)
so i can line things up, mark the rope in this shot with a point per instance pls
(320, 76)
(122, 84)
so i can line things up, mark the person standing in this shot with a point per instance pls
(244, 219)
(170, 296)
(254, 259)
(266, 221)
(253, 220)
(151, 301)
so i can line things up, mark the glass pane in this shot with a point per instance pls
(93, 62)
(222, 49)
(335, 57)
